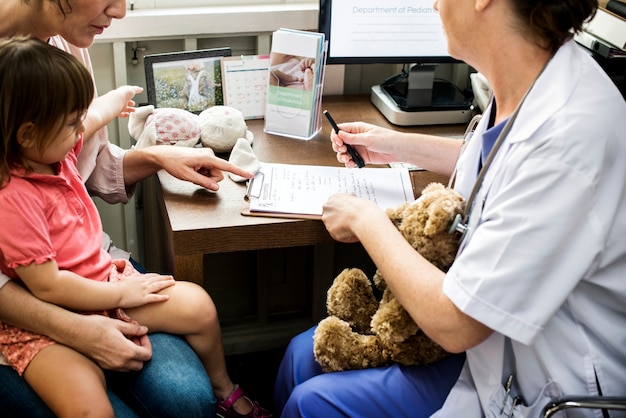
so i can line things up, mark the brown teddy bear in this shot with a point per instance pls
(361, 331)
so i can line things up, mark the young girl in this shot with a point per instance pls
(51, 236)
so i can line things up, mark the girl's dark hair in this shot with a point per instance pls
(39, 84)
(552, 22)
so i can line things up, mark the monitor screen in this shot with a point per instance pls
(382, 31)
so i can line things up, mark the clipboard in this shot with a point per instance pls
(252, 192)
(299, 191)
(245, 211)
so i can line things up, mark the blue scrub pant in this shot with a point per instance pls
(172, 384)
(303, 390)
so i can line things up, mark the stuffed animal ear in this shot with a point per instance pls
(243, 157)
(137, 122)
(432, 188)
(442, 205)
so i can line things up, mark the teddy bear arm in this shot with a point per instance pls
(391, 322)
(417, 350)
(379, 281)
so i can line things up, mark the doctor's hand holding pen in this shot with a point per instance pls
(378, 145)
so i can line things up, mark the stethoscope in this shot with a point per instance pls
(461, 221)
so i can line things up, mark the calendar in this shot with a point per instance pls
(244, 80)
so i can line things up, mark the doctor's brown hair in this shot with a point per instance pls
(39, 85)
(552, 22)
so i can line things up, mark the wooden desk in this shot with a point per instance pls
(191, 223)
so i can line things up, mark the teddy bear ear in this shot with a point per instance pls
(438, 219)
(433, 187)
(442, 209)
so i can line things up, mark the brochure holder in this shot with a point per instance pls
(295, 84)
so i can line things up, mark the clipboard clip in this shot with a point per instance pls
(255, 185)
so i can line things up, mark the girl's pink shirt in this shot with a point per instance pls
(49, 217)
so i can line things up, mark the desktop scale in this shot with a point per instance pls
(416, 98)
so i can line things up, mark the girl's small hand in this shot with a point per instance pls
(127, 93)
(140, 289)
(128, 109)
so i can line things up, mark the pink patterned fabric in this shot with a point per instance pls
(174, 125)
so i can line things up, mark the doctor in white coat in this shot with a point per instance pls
(536, 298)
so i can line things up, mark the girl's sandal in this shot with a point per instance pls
(225, 407)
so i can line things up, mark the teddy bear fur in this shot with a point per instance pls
(218, 127)
(362, 331)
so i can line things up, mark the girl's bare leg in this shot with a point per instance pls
(69, 383)
(190, 312)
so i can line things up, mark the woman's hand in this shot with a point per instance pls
(379, 145)
(113, 344)
(372, 142)
(342, 214)
(197, 165)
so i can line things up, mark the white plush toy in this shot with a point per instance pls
(218, 127)
(221, 127)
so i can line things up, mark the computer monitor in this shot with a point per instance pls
(392, 31)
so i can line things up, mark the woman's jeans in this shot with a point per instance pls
(172, 384)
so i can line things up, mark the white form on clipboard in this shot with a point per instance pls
(301, 190)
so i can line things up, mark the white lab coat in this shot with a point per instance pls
(545, 261)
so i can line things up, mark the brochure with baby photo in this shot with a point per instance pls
(295, 83)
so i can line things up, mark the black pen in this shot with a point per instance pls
(355, 155)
